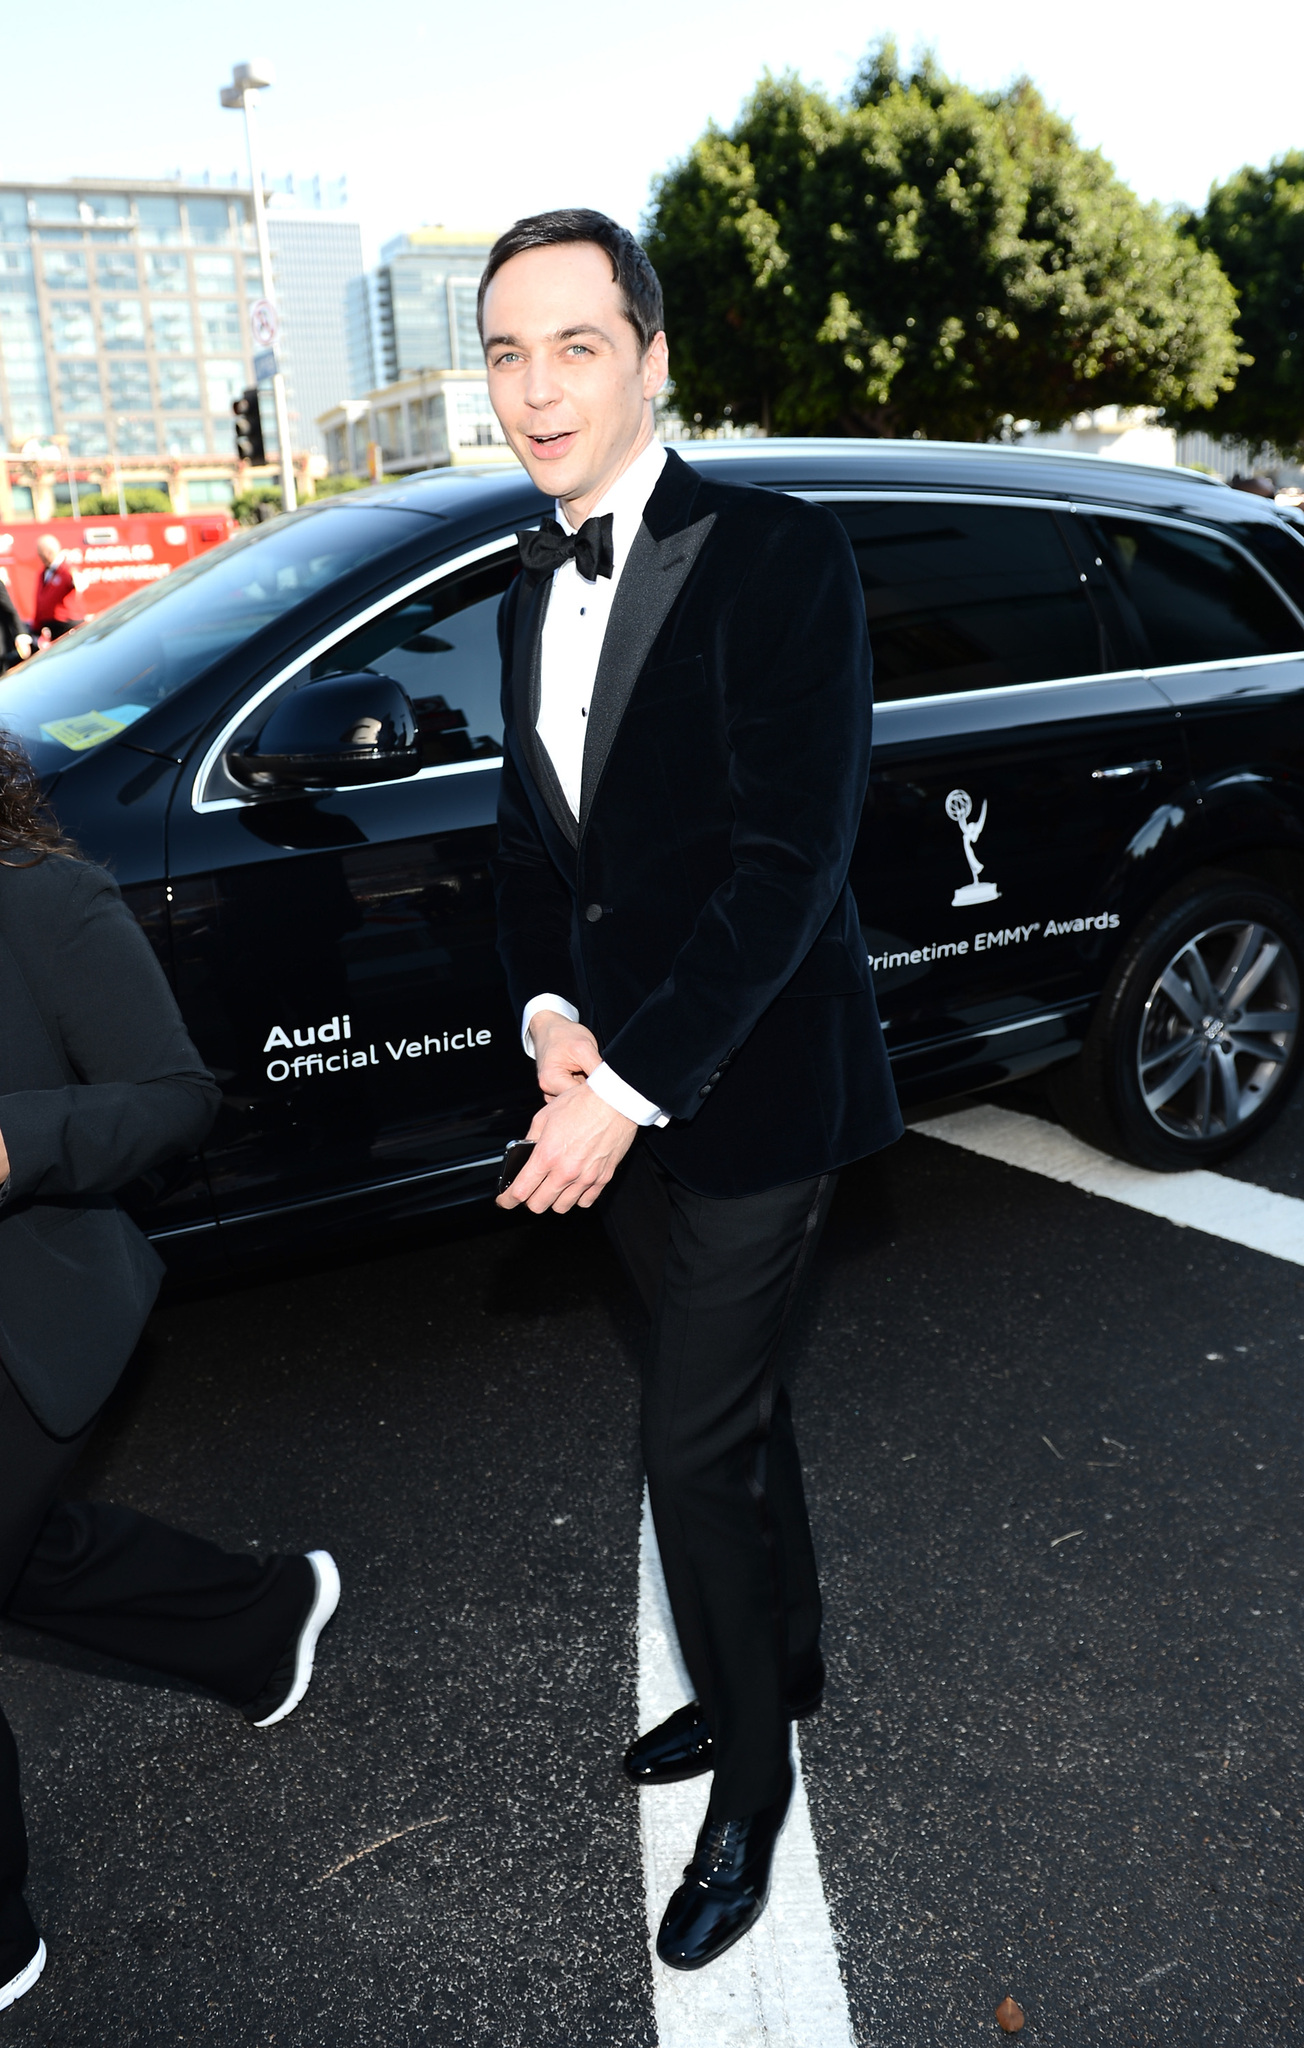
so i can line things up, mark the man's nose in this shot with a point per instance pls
(541, 386)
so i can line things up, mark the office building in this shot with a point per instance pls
(315, 260)
(363, 332)
(420, 399)
(124, 333)
(122, 317)
(416, 310)
(434, 420)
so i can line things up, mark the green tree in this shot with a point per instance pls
(263, 501)
(335, 486)
(247, 505)
(1254, 225)
(92, 503)
(922, 259)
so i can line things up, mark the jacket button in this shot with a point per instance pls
(715, 1077)
(593, 913)
(705, 1088)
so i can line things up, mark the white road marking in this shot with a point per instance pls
(780, 1986)
(1233, 1210)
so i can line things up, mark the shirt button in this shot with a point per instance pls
(593, 913)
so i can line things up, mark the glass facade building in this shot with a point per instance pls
(416, 311)
(123, 328)
(315, 261)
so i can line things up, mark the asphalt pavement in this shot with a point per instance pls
(1053, 1454)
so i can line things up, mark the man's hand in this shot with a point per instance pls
(565, 1054)
(579, 1141)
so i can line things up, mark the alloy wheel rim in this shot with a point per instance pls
(1218, 1030)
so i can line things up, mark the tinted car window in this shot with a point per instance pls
(441, 644)
(1190, 597)
(1281, 551)
(969, 597)
(94, 683)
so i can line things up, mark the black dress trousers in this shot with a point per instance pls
(720, 1279)
(128, 1586)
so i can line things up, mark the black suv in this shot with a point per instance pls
(1084, 847)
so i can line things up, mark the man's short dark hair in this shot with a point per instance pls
(640, 287)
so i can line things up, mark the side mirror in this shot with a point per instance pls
(336, 734)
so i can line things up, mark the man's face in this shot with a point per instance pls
(569, 383)
(47, 547)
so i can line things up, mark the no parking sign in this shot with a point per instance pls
(264, 323)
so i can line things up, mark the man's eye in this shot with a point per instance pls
(508, 356)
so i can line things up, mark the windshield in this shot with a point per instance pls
(92, 684)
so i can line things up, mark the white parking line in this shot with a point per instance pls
(779, 1987)
(1233, 1210)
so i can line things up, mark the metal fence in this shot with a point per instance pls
(1201, 451)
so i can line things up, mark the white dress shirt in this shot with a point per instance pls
(573, 630)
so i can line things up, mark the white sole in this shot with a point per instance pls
(25, 1979)
(327, 1600)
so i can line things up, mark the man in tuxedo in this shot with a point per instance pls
(686, 696)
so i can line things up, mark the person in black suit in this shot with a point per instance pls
(99, 1083)
(686, 697)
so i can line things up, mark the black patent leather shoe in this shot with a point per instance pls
(724, 1889)
(681, 1747)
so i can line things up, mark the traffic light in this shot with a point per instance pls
(249, 427)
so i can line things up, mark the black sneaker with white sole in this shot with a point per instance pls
(290, 1677)
(22, 1952)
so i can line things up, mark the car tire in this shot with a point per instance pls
(1184, 1062)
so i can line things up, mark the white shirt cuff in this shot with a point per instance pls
(532, 1008)
(618, 1094)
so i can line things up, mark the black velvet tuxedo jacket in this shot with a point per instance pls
(698, 915)
(98, 1083)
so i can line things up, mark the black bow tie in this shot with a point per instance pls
(590, 549)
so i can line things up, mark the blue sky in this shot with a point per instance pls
(473, 114)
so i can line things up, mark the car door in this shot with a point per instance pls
(1224, 644)
(1017, 754)
(335, 952)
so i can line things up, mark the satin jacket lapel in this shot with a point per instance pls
(527, 652)
(654, 574)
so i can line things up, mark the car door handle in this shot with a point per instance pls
(1129, 768)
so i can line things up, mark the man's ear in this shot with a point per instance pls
(656, 365)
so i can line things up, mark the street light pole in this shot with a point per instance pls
(247, 80)
(72, 480)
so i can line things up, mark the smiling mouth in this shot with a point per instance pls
(551, 445)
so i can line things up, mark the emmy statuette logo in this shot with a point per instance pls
(959, 808)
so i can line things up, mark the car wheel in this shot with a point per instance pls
(1195, 1045)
